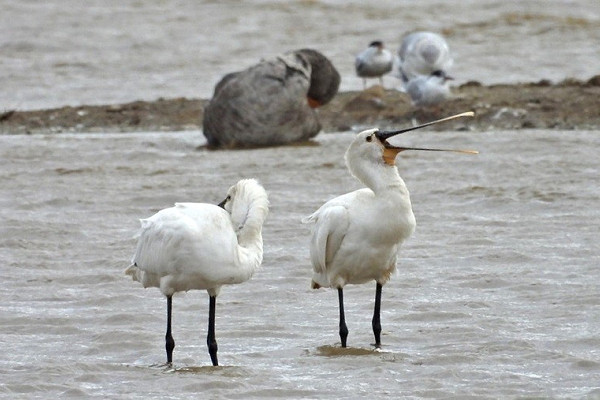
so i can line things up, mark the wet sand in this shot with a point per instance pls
(568, 105)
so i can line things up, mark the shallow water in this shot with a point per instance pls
(70, 52)
(497, 294)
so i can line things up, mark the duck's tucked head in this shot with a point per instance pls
(324, 78)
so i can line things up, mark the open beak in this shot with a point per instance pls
(390, 152)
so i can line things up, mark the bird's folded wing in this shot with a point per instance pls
(359, 64)
(329, 231)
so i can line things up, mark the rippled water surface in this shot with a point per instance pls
(72, 52)
(497, 294)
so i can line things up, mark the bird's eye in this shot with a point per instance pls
(228, 198)
(369, 138)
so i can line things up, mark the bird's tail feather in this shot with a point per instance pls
(319, 280)
(309, 219)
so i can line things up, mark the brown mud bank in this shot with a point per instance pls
(568, 105)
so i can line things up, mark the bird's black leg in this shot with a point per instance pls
(376, 316)
(211, 341)
(343, 327)
(169, 342)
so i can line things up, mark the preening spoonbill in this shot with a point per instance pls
(373, 62)
(202, 246)
(356, 236)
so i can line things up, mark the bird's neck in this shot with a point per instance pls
(384, 179)
(249, 236)
(250, 250)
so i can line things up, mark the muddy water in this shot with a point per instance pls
(497, 294)
(69, 52)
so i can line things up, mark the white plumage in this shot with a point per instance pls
(430, 90)
(422, 53)
(202, 246)
(356, 236)
(373, 62)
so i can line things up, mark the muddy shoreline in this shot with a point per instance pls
(568, 105)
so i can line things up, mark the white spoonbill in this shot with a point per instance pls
(356, 236)
(373, 62)
(202, 246)
(422, 53)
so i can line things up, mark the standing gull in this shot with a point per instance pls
(373, 62)
(356, 236)
(202, 246)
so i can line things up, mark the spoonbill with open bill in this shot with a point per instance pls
(356, 236)
(202, 246)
